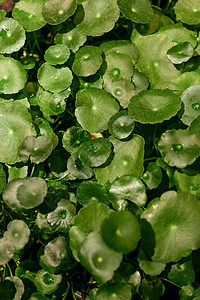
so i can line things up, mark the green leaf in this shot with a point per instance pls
(28, 62)
(188, 13)
(99, 17)
(180, 53)
(77, 168)
(150, 267)
(136, 10)
(121, 231)
(190, 98)
(118, 291)
(19, 285)
(154, 106)
(89, 192)
(11, 71)
(74, 137)
(187, 293)
(128, 187)
(153, 60)
(32, 192)
(57, 55)
(61, 219)
(10, 194)
(87, 61)
(121, 46)
(179, 148)
(152, 289)
(94, 153)
(2, 179)
(7, 289)
(98, 258)
(58, 162)
(152, 176)
(47, 283)
(37, 296)
(12, 36)
(122, 89)
(128, 160)
(7, 250)
(94, 108)
(18, 232)
(37, 149)
(57, 11)
(176, 222)
(29, 14)
(73, 39)
(15, 126)
(53, 79)
(187, 79)
(140, 81)
(57, 256)
(121, 125)
(182, 273)
(187, 183)
(194, 127)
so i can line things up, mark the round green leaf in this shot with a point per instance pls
(61, 219)
(58, 162)
(28, 62)
(187, 183)
(121, 125)
(122, 89)
(18, 232)
(128, 187)
(153, 176)
(95, 152)
(121, 231)
(188, 12)
(98, 258)
(10, 194)
(73, 39)
(53, 79)
(57, 11)
(32, 192)
(152, 289)
(190, 98)
(89, 192)
(51, 104)
(12, 36)
(149, 267)
(7, 250)
(7, 290)
(11, 71)
(29, 14)
(99, 17)
(15, 126)
(154, 106)
(180, 53)
(119, 66)
(57, 55)
(47, 283)
(187, 79)
(19, 285)
(94, 108)
(182, 273)
(175, 221)
(179, 148)
(117, 291)
(37, 149)
(128, 160)
(87, 61)
(77, 168)
(121, 46)
(73, 137)
(136, 10)
(57, 256)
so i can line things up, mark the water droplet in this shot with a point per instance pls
(177, 147)
(195, 106)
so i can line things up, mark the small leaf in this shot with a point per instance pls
(74, 137)
(7, 290)
(140, 81)
(12, 36)
(98, 258)
(77, 168)
(182, 273)
(7, 250)
(87, 61)
(47, 283)
(149, 267)
(57, 55)
(121, 231)
(188, 13)
(187, 183)
(94, 108)
(180, 53)
(19, 285)
(190, 98)
(57, 11)
(89, 192)
(152, 176)
(136, 10)
(10, 194)
(121, 125)
(18, 232)
(117, 291)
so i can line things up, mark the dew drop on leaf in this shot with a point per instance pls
(195, 106)
(177, 147)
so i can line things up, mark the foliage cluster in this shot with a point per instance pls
(100, 150)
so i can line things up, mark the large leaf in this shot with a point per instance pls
(188, 12)
(94, 108)
(15, 126)
(175, 221)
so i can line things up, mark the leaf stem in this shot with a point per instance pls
(66, 293)
(37, 44)
(171, 282)
(150, 158)
(32, 171)
(9, 269)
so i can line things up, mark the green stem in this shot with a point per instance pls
(37, 44)
(32, 171)
(150, 158)
(171, 282)
(66, 293)
(72, 289)
(9, 269)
